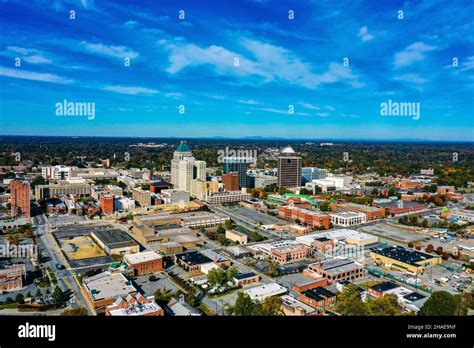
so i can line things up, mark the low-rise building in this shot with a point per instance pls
(134, 305)
(318, 297)
(243, 279)
(294, 307)
(259, 293)
(304, 216)
(12, 277)
(404, 260)
(227, 197)
(236, 236)
(142, 197)
(144, 262)
(338, 268)
(371, 212)
(103, 289)
(348, 218)
(115, 241)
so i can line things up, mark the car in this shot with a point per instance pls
(59, 266)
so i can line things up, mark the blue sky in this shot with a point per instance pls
(282, 62)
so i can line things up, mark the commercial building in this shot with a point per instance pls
(114, 190)
(338, 268)
(142, 197)
(282, 252)
(462, 214)
(338, 235)
(348, 218)
(200, 188)
(124, 204)
(304, 216)
(309, 174)
(182, 151)
(56, 172)
(107, 204)
(381, 289)
(294, 307)
(115, 241)
(318, 297)
(289, 169)
(172, 196)
(261, 292)
(243, 279)
(236, 236)
(263, 181)
(12, 277)
(192, 261)
(134, 305)
(230, 181)
(396, 207)
(239, 165)
(62, 188)
(407, 184)
(181, 308)
(158, 186)
(20, 198)
(403, 259)
(227, 197)
(144, 262)
(371, 212)
(103, 289)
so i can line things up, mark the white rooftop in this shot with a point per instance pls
(261, 292)
(141, 257)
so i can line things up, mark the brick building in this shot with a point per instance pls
(318, 297)
(20, 198)
(304, 216)
(231, 181)
(145, 262)
(107, 204)
(134, 305)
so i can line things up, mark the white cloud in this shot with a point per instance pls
(249, 102)
(329, 107)
(29, 55)
(131, 90)
(109, 51)
(30, 75)
(412, 78)
(364, 34)
(323, 114)
(310, 106)
(173, 95)
(270, 63)
(468, 65)
(411, 54)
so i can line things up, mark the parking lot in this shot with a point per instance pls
(393, 233)
(254, 216)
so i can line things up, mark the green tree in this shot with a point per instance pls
(270, 306)
(244, 305)
(216, 277)
(58, 295)
(220, 229)
(385, 305)
(349, 302)
(441, 303)
(162, 296)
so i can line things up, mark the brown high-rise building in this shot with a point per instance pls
(20, 198)
(289, 168)
(107, 204)
(231, 181)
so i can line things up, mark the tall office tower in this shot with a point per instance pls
(185, 174)
(230, 181)
(238, 165)
(182, 151)
(309, 174)
(199, 170)
(289, 168)
(20, 198)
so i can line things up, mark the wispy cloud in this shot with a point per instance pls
(364, 34)
(310, 106)
(268, 62)
(29, 55)
(109, 50)
(249, 102)
(131, 90)
(411, 78)
(35, 76)
(411, 54)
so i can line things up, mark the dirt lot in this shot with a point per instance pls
(83, 247)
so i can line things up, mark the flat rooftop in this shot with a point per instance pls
(193, 258)
(145, 256)
(410, 257)
(319, 293)
(114, 238)
(108, 285)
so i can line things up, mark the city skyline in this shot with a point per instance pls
(282, 62)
